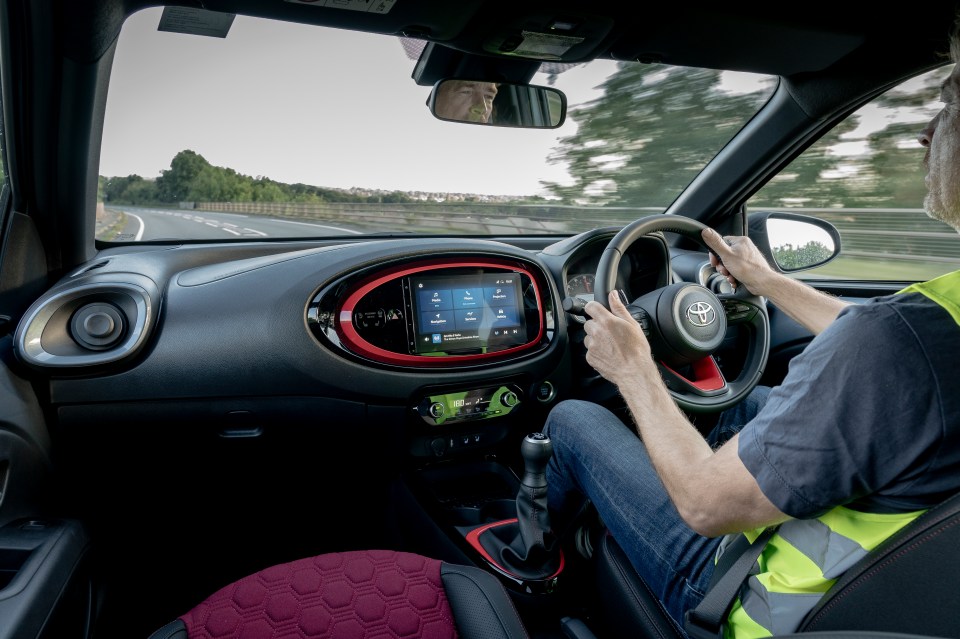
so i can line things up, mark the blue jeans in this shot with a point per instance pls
(597, 457)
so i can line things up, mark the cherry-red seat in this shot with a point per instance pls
(373, 593)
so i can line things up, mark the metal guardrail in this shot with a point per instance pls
(458, 218)
(869, 234)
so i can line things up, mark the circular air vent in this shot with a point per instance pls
(86, 325)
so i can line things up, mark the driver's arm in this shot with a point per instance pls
(741, 261)
(713, 491)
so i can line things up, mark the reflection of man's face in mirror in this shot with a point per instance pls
(466, 101)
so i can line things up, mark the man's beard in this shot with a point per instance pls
(937, 208)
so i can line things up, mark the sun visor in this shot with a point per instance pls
(550, 36)
(437, 62)
(192, 21)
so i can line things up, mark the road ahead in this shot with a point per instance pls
(145, 224)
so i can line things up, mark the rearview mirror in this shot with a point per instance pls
(793, 242)
(498, 104)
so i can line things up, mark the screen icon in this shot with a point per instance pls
(437, 338)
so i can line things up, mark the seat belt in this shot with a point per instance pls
(706, 620)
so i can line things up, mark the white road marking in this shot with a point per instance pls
(325, 226)
(233, 228)
(143, 226)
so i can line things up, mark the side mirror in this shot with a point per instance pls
(498, 104)
(793, 242)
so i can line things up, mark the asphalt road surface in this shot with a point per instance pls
(145, 224)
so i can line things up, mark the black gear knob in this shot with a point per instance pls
(536, 450)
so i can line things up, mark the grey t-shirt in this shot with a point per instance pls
(868, 415)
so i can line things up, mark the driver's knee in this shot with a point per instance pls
(565, 427)
(575, 416)
(576, 426)
(567, 418)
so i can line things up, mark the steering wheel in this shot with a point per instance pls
(686, 323)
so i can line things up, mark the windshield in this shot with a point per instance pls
(281, 130)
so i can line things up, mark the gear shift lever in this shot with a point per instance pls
(536, 537)
(526, 549)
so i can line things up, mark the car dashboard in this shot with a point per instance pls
(453, 331)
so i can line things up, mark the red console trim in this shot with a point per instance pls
(473, 538)
(354, 342)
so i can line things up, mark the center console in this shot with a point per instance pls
(448, 312)
(465, 317)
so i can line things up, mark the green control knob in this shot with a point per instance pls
(509, 399)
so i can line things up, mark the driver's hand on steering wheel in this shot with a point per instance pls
(616, 345)
(738, 259)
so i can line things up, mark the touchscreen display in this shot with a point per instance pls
(477, 313)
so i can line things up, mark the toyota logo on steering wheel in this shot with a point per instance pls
(701, 314)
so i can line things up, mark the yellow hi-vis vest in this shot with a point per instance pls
(806, 556)
(799, 563)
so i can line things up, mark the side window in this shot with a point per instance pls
(866, 177)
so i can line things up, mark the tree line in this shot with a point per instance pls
(191, 178)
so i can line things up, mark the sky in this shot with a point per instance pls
(269, 100)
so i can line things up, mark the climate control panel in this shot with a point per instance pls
(474, 404)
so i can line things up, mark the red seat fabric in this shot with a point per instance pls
(351, 594)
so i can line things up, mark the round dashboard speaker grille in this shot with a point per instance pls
(97, 326)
